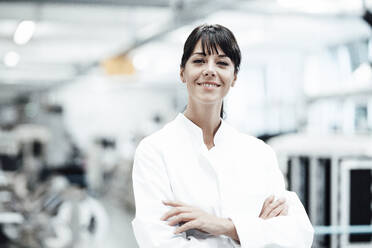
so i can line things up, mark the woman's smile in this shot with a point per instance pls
(209, 85)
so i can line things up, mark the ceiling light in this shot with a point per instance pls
(11, 59)
(322, 6)
(24, 32)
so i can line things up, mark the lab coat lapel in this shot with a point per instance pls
(192, 181)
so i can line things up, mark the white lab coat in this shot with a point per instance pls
(231, 180)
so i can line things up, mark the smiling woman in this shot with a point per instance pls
(212, 46)
(198, 182)
(208, 76)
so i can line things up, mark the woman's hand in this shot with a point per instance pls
(195, 218)
(273, 208)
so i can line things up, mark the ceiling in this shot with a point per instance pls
(72, 36)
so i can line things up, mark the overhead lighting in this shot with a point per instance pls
(288, 3)
(11, 59)
(322, 6)
(315, 6)
(24, 32)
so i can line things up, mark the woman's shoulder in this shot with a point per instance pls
(247, 140)
(160, 137)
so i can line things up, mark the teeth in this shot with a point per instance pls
(209, 85)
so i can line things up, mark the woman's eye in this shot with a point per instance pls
(198, 61)
(222, 63)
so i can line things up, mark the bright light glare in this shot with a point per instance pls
(288, 3)
(24, 32)
(322, 6)
(11, 59)
(363, 73)
(307, 6)
(141, 61)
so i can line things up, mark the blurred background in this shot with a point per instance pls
(83, 81)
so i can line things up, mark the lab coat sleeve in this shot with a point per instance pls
(291, 231)
(151, 186)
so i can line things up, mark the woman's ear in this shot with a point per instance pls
(181, 75)
(234, 80)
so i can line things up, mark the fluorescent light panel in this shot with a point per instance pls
(24, 32)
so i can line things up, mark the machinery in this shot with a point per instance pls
(332, 176)
(39, 206)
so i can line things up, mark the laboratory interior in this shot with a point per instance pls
(82, 82)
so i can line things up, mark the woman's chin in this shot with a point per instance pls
(209, 101)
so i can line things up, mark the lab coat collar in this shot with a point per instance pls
(197, 133)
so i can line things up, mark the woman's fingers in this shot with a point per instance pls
(268, 200)
(184, 217)
(276, 211)
(177, 207)
(174, 204)
(194, 224)
(284, 212)
(188, 217)
(267, 209)
(175, 211)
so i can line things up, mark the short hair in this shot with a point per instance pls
(213, 36)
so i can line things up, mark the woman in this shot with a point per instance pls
(200, 183)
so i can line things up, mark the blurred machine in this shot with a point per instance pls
(41, 206)
(356, 199)
(56, 215)
(332, 176)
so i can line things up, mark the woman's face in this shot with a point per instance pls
(208, 76)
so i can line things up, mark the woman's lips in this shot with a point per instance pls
(209, 84)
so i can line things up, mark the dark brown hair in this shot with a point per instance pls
(212, 36)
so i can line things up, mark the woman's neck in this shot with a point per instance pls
(207, 117)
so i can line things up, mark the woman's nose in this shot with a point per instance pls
(209, 71)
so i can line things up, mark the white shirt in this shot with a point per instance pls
(231, 180)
